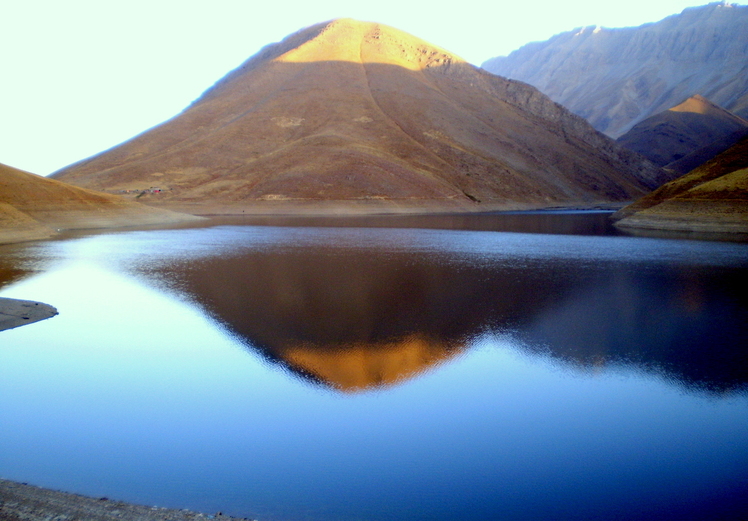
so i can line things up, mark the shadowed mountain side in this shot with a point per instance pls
(34, 207)
(704, 154)
(711, 198)
(361, 116)
(616, 78)
(354, 320)
(682, 130)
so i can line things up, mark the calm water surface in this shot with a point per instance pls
(343, 373)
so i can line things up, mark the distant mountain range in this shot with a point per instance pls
(616, 78)
(361, 116)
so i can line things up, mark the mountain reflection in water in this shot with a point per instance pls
(355, 319)
(687, 326)
(425, 374)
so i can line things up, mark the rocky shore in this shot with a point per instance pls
(22, 502)
(16, 313)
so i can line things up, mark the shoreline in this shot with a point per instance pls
(423, 219)
(202, 215)
(368, 208)
(24, 502)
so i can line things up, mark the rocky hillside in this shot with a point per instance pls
(361, 116)
(711, 198)
(34, 207)
(616, 78)
(694, 126)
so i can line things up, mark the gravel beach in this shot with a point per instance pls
(22, 502)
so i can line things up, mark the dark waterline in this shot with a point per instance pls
(389, 374)
(566, 222)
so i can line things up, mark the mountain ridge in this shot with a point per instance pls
(618, 77)
(361, 114)
(687, 129)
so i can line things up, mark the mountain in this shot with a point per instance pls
(683, 130)
(616, 78)
(711, 198)
(359, 115)
(702, 155)
(34, 207)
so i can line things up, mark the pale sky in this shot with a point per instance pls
(80, 76)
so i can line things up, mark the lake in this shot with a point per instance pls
(513, 367)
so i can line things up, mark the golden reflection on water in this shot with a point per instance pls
(358, 367)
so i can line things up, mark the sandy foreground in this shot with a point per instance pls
(21, 502)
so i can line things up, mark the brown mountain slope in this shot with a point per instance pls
(364, 116)
(616, 78)
(682, 130)
(711, 198)
(34, 207)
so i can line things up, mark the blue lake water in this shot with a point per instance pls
(363, 373)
